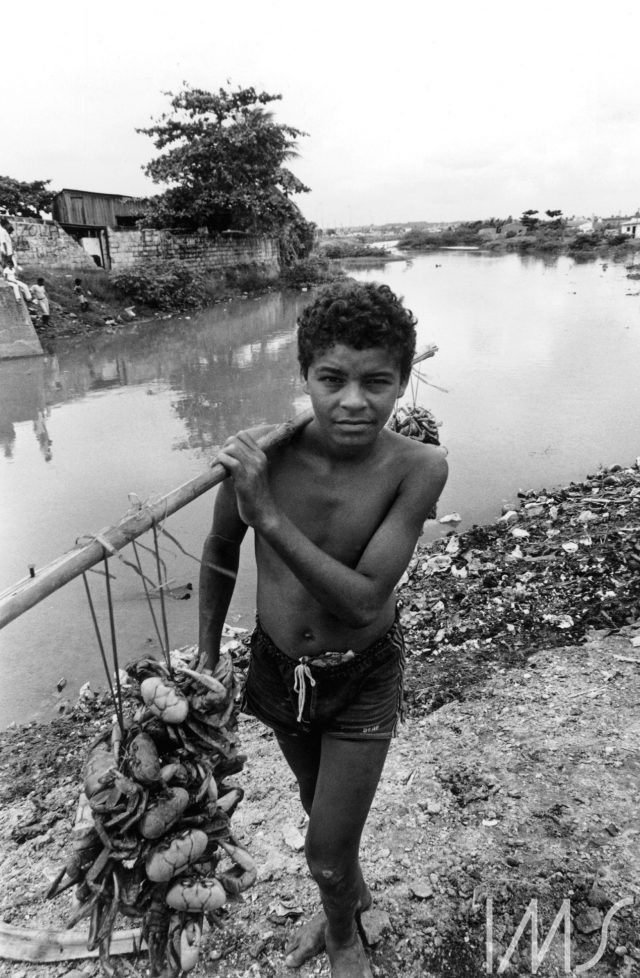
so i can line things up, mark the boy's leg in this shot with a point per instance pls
(344, 785)
(302, 754)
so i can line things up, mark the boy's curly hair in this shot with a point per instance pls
(361, 315)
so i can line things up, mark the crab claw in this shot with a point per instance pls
(174, 966)
(243, 873)
(217, 692)
(190, 939)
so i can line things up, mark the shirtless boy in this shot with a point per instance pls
(336, 514)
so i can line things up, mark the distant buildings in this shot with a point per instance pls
(631, 226)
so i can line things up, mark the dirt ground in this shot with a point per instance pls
(514, 782)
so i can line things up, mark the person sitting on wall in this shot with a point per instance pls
(19, 288)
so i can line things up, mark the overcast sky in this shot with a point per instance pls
(414, 110)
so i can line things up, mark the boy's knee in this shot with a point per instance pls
(333, 873)
(327, 875)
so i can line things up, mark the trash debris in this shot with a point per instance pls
(293, 838)
(487, 598)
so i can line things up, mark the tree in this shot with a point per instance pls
(25, 199)
(224, 163)
(529, 220)
(557, 221)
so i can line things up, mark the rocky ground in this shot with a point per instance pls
(515, 778)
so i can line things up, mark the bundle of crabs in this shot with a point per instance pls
(152, 835)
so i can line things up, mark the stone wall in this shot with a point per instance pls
(46, 245)
(197, 251)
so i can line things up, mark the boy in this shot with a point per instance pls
(336, 513)
(41, 299)
(79, 291)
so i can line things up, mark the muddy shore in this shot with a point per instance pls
(515, 778)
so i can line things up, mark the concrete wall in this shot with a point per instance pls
(46, 245)
(197, 251)
(18, 338)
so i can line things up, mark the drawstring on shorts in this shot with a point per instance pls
(300, 673)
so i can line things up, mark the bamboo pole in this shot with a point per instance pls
(31, 590)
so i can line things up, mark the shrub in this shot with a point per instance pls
(310, 271)
(352, 249)
(248, 277)
(585, 242)
(464, 234)
(548, 243)
(161, 285)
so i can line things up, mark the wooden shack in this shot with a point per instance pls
(85, 215)
(84, 208)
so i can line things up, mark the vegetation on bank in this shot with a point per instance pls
(153, 290)
(529, 235)
(106, 305)
(465, 234)
(171, 286)
(351, 248)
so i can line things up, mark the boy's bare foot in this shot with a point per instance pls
(309, 939)
(347, 960)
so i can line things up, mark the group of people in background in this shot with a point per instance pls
(35, 295)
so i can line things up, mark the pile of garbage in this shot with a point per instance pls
(152, 836)
(566, 561)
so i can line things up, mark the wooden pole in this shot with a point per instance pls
(31, 590)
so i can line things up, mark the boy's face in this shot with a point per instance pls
(353, 393)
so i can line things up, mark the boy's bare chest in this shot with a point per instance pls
(338, 510)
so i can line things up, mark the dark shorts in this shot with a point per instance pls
(358, 699)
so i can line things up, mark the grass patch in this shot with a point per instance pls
(104, 300)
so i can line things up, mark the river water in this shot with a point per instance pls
(535, 382)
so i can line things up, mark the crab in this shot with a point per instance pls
(154, 817)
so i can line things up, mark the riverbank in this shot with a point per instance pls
(515, 776)
(110, 309)
(581, 247)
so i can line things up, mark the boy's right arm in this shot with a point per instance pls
(220, 558)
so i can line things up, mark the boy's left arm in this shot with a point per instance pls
(353, 595)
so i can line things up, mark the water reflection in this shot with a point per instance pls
(22, 398)
(137, 411)
(230, 367)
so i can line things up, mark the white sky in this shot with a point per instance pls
(416, 110)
